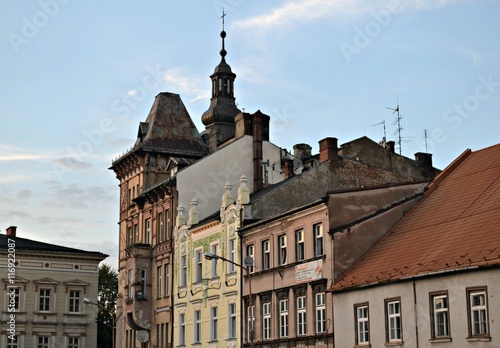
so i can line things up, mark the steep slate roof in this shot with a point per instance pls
(454, 227)
(29, 245)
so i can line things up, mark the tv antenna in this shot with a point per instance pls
(384, 139)
(398, 121)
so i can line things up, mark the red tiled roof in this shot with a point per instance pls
(456, 226)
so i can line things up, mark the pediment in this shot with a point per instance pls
(46, 281)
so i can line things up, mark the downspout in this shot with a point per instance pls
(242, 302)
(172, 259)
(415, 311)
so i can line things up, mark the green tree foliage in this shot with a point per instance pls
(108, 289)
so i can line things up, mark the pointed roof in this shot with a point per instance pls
(454, 227)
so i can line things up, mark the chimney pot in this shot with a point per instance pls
(11, 231)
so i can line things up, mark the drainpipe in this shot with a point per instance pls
(415, 311)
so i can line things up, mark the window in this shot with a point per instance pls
(231, 330)
(440, 320)
(320, 313)
(14, 293)
(265, 255)
(143, 283)
(130, 236)
(283, 322)
(299, 245)
(167, 225)
(301, 316)
(166, 280)
(43, 342)
(250, 253)
(73, 342)
(182, 330)
(282, 249)
(198, 259)
(129, 284)
(362, 324)
(478, 312)
(197, 326)
(318, 239)
(232, 255)
(44, 305)
(136, 233)
(159, 233)
(159, 282)
(250, 321)
(213, 324)
(74, 301)
(12, 343)
(393, 320)
(183, 278)
(214, 250)
(266, 321)
(147, 231)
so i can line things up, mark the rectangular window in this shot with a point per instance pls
(213, 324)
(73, 342)
(183, 278)
(197, 326)
(166, 280)
(198, 259)
(318, 239)
(74, 301)
(250, 321)
(159, 282)
(362, 324)
(301, 316)
(231, 255)
(136, 233)
(44, 305)
(15, 293)
(320, 313)
(282, 249)
(266, 321)
(478, 312)
(393, 320)
(43, 342)
(440, 320)
(299, 245)
(231, 330)
(266, 257)
(250, 253)
(182, 330)
(147, 231)
(130, 236)
(130, 280)
(167, 225)
(159, 233)
(283, 322)
(12, 343)
(214, 250)
(143, 282)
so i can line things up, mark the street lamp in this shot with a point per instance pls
(98, 305)
(248, 263)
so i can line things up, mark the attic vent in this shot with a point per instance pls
(143, 130)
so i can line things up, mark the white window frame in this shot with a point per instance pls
(440, 315)
(13, 344)
(282, 249)
(231, 329)
(159, 233)
(266, 255)
(17, 298)
(214, 323)
(362, 324)
(266, 321)
(214, 249)
(182, 329)
(301, 316)
(198, 262)
(43, 342)
(394, 324)
(73, 342)
(197, 326)
(231, 255)
(250, 321)
(299, 245)
(320, 312)
(318, 239)
(251, 253)
(74, 304)
(147, 231)
(283, 321)
(159, 282)
(478, 313)
(183, 267)
(166, 279)
(44, 299)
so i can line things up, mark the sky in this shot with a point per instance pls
(77, 77)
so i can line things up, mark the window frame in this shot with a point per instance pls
(388, 320)
(318, 239)
(47, 300)
(282, 254)
(301, 310)
(183, 271)
(283, 319)
(73, 342)
(159, 282)
(250, 249)
(435, 312)
(197, 326)
(358, 320)
(250, 321)
(147, 231)
(231, 323)
(198, 263)
(43, 342)
(214, 323)
(166, 280)
(299, 245)
(214, 249)
(231, 255)
(182, 329)
(320, 312)
(266, 321)
(483, 291)
(74, 302)
(266, 255)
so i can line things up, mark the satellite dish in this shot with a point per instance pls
(142, 336)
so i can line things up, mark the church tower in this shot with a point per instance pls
(219, 118)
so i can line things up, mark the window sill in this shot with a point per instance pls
(479, 339)
(362, 345)
(395, 344)
(440, 340)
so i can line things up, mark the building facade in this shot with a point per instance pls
(43, 290)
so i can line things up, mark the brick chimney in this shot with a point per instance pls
(288, 167)
(424, 161)
(260, 125)
(328, 149)
(243, 125)
(302, 151)
(11, 231)
(390, 146)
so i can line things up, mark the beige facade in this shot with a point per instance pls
(43, 294)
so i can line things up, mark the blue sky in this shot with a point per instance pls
(78, 76)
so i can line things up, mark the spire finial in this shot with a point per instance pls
(223, 35)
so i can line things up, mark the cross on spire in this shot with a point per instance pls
(223, 15)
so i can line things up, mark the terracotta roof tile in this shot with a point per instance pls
(454, 227)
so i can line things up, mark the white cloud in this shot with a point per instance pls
(191, 85)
